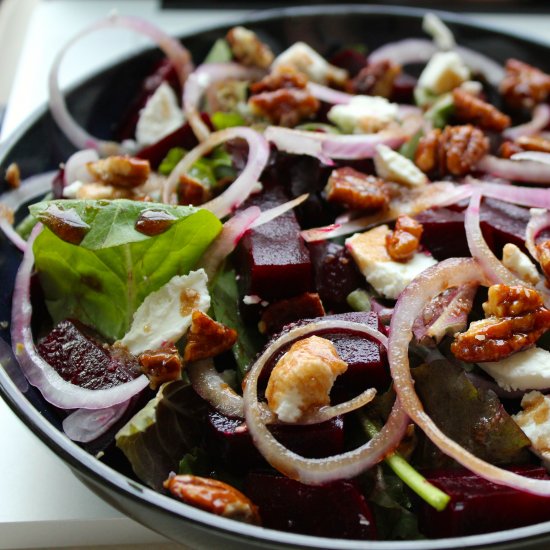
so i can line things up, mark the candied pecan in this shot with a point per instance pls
(248, 49)
(469, 108)
(191, 191)
(213, 496)
(13, 175)
(356, 190)
(161, 365)
(509, 148)
(534, 143)
(524, 85)
(285, 107)
(524, 320)
(456, 150)
(98, 191)
(543, 249)
(120, 171)
(207, 338)
(281, 77)
(280, 313)
(375, 79)
(404, 240)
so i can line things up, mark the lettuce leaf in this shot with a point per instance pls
(104, 279)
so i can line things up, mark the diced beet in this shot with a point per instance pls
(403, 88)
(479, 506)
(337, 509)
(274, 262)
(58, 183)
(79, 357)
(350, 60)
(335, 273)
(230, 440)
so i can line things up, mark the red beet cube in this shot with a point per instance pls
(337, 509)
(479, 506)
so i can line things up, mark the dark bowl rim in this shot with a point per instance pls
(84, 464)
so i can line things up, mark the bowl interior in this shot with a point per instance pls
(98, 103)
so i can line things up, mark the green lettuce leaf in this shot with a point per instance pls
(167, 428)
(103, 280)
(220, 52)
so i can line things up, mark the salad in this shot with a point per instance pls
(304, 292)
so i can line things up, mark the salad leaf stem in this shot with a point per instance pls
(408, 474)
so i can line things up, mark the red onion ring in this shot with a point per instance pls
(329, 146)
(329, 95)
(539, 220)
(410, 304)
(39, 373)
(540, 120)
(10, 233)
(78, 136)
(199, 81)
(317, 471)
(532, 197)
(518, 170)
(536, 156)
(240, 189)
(492, 267)
(75, 167)
(85, 425)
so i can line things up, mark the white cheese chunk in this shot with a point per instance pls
(392, 166)
(364, 114)
(525, 370)
(160, 116)
(165, 315)
(444, 72)
(534, 422)
(520, 264)
(306, 60)
(388, 277)
(71, 191)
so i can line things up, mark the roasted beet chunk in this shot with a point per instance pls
(79, 357)
(337, 509)
(479, 506)
(274, 261)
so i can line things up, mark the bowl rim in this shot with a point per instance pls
(99, 473)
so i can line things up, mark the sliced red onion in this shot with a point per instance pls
(310, 470)
(329, 95)
(76, 169)
(539, 220)
(536, 156)
(240, 189)
(540, 120)
(411, 303)
(331, 146)
(11, 234)
(276, 211)
(199, 81)
(492, 267)
(85, 425)
(39, 373)
(518, 170)
(440, 33)
(532, 197)
(78, 136)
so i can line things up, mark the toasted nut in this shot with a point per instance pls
(162, 365)
(207, 338)
(284, 107)
(98, 191)
(543, 249)
(120, 171)
(278, 314)
(375, 79)
(248, 49)
(509, 148)
(455, 150)
(403, 242)
(356, 190)
(13, 175)
(524, 319)
(280, 78)
(192, 191)
(534, 143)
(213, 496)
(303, 377)
(524, 85)
(469, 108)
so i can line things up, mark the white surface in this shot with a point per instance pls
(41, 503)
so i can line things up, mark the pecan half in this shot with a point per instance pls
(192, 191)
(120, 171)
(248, 49)
(403, 242)
(356, 190)
(524, 85)
(469, 108)
(456, 150)
(207, 338)
(213, 496)
(13, 175)
(161, 365)
(375, 79)
(509, 148)
(524, 320)
(281, 77)
(543, 249)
